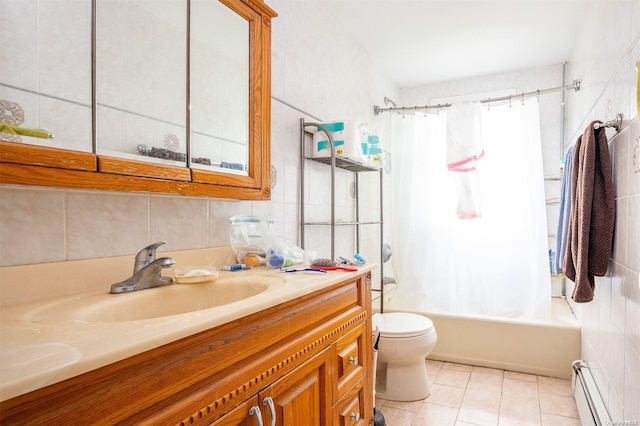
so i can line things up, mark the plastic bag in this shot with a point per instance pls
(252, 238)
(246, 237)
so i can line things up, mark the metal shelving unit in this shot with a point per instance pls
(336, 162)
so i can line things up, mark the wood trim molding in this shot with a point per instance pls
(270, 374)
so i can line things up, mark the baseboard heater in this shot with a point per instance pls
(590, 405)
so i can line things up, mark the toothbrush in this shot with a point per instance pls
(236, 267)
(307, 270)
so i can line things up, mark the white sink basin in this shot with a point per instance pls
(156, 302)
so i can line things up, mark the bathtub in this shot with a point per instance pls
(545, 347)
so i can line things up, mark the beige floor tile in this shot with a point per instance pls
(516, 410)
(397, 417)
(436, 365)
(409, 406)
(455, 378)
(559, 405)
(435, 415)
(505, 421)
(449, 396)
(553, 420)
(487, 375)
(478, 416)
(520, 376)
(519, 389)
(483, 395)
(555, 386)
(463, 395)
(481, 404)
(457, 367)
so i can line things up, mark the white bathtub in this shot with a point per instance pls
(544, 347)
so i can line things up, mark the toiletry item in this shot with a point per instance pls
(346, 140)
(357, 260)
(335, 268)
(274, 260)
(195, 274)
(253, 260)
(305, 270)
(236, 267)
(16, 130)
(330, 265)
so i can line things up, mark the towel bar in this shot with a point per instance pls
(616, 123)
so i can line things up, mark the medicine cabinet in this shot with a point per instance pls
(163, 112)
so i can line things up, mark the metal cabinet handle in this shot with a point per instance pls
(269, 401)
(355, 416)
(255, 411)
(353, 360)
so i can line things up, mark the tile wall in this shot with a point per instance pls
(605, 59)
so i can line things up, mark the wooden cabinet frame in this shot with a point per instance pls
(44, 166)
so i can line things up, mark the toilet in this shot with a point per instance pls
(405, 341)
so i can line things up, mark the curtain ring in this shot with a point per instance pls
(522, 98)
(509, 101)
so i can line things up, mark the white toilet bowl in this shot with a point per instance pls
(405, 341)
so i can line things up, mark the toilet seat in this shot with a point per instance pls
(399, 325)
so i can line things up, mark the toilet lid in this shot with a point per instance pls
(402, 324)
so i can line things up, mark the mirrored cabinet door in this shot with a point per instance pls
(141, 74)
(219, 88)
(45, 73)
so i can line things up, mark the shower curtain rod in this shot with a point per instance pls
(575, 86)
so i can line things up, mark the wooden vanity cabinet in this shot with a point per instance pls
(311, 356)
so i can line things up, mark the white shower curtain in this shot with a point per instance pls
(493, 265)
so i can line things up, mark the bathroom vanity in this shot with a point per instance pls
(300, 354)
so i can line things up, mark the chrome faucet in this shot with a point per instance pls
(146, 271)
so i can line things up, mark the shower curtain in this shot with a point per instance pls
(493, 265)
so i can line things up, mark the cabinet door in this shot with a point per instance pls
(303, 397)
(244, 414)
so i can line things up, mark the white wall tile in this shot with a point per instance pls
(32, 228)
(102, 224)
(178, 221)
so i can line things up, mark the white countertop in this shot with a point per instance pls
(46, 341)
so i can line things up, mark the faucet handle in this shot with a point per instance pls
(146, 256)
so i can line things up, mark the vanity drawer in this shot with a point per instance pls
(352, 360)
(351, 409)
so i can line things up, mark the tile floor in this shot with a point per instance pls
(464, 395)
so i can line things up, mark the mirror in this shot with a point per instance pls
(141, 83)
(141, 74)
(219, 88)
